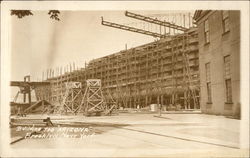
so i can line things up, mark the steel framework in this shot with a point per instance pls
(132, 29)
(155, 21)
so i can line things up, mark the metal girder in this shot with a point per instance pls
(154, 21)
(132, 29)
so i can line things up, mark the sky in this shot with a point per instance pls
(39, 43)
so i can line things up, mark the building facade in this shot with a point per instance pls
(219, 52)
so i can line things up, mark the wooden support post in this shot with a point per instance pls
(158, 100)
(189, 20)
(185, 99)
(164, 28)
(139, 102)
(162, 100)
(43, 104)
(134, 102)
(130, 102)
(126, 102)
(24, 97)
(29, 96)
(173, 99)
(159, 105)
(184, 21)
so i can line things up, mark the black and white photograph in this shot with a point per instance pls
(124, 79)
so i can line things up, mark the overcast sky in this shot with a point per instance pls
(40, 43)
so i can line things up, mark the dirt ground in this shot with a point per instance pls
(142, 134)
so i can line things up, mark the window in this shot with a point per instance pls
(225, 21)
(228, 91)
(206, 31)
(227, 67)
(208, 81)
(227, 77)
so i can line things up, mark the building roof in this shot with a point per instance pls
(199, 14)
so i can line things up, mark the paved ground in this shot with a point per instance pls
(145, 135)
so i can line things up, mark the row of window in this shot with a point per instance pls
(225, 25)
(227, 79)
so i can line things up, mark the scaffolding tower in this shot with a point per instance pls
(93, 98)
(72, 99)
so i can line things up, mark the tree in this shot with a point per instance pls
(54, 14)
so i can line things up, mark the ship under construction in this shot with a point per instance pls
(164, 72)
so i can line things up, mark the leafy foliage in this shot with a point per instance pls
(54, 14)
(21, 13)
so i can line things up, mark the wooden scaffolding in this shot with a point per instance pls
(93, 97)
(162, 72)
(72, 100)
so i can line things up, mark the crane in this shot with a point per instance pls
(154, 21)
(128, 28)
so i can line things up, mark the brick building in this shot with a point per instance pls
(219, 52)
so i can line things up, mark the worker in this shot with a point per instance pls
(48, 122)
(160, 107)
(138, 108)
